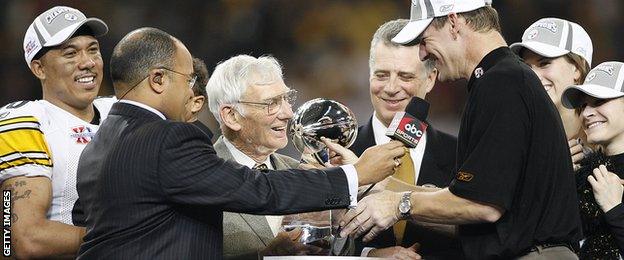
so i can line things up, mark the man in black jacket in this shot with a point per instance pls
(152, 186)
(199, 99)
(396, 76)
(513, 194)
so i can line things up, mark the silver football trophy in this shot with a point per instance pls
(315, 119)
(321, 117)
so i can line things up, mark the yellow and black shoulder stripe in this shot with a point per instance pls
(22, 142)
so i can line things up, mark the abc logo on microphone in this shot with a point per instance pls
(413, 129)
(407, 129)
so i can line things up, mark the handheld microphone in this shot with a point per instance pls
(408, 127)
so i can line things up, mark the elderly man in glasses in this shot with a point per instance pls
(248, 97)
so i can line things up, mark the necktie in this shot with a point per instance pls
(260, 166)
(405, 173)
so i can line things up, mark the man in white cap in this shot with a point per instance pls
(41, 141)
(514, 192)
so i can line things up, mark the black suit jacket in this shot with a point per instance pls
(155, 189)
(437, 168)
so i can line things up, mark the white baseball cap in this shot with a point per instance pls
(55, 26)
(554, 37)
(423, 12)
(605, 81)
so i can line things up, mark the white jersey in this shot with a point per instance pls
(38, 138)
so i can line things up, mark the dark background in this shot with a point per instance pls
(323, 44)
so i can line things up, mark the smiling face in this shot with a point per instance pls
(603, 122)
(71, 73)
(556, 74)
(396, 76)
(439, 46)
(260, 133)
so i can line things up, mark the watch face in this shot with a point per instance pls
(404, 207)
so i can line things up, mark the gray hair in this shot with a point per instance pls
(231, 78)
(384, 35)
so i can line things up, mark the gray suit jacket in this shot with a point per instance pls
(244, 234)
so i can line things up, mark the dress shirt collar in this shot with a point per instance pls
(242, 158)
(379, 130)
(144, 106)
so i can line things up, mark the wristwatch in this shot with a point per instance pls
(405, 205)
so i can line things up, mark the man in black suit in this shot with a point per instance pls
(396, 76)
(198, 101)
(152, 186)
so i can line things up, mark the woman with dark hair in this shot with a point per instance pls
(599, 102)
(560, 53)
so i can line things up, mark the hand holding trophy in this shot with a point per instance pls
(329, 119)
(322, 118)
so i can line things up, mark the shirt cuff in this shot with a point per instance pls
(366, 250)
(352, 180)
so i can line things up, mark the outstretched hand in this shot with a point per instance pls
(374, 214)
(338, 154)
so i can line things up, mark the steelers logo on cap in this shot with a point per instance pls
(532, 34)
(70, 17)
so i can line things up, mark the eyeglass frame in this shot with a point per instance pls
(191, 82)
(289, 96)
(192, 75)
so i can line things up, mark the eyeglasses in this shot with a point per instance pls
(192, 77)
(191, 82)
(274, 104)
